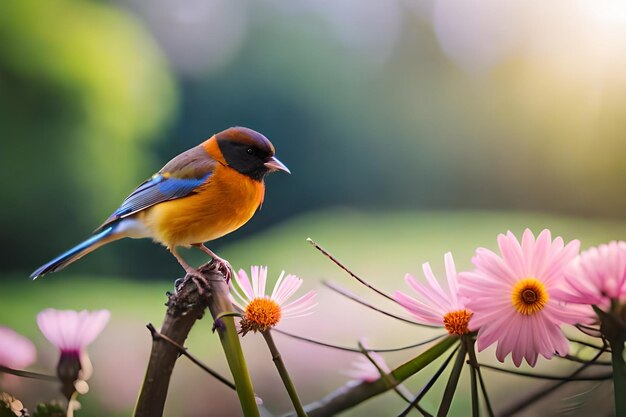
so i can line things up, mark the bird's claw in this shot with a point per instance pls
(224, 267)
(198, 279)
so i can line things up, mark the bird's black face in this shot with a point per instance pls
(249, 152)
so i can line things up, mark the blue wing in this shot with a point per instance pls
(157, 189)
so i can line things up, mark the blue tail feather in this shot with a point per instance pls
(73, 254)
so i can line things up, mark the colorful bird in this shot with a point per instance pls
(200, 195)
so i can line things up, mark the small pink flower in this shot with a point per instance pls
(262, 311)
(597, 276)
(363, 370)
(16, 351)
(436, 305)
(71, 331)
(511, 296)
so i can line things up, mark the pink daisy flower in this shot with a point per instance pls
(16, 351)
(511, 296)
(597, 276)
(261, 311)
(434, 304)
(71, 331)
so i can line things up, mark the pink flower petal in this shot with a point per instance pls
(452, 276)
(597, 276)
(71, 330)
(285, 287)
(435, 301)
(16, 351)
(289, 286)
(512, 253)
(244, 283)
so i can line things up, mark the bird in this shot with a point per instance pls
(200, 195)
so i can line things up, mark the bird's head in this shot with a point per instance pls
(248, 152)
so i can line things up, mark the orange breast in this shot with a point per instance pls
(224, 204)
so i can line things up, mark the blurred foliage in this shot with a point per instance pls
(97, 96)
(84, 86)
(49, 410)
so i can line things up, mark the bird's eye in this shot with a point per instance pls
(250, 151)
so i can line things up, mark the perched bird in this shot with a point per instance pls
(200, 195)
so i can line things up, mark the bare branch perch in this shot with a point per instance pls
(183, 309)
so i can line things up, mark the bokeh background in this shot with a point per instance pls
(412, 127)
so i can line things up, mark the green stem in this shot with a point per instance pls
(473, 360)
(284, 375)
(453, 381)
(469, 341)
(619, 376)
(614, 330)
(433, 379)
(219, 304)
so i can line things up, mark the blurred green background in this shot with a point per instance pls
(411, 128)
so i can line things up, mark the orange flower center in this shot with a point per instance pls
(529, 296)
(456, 322)
(261, 314)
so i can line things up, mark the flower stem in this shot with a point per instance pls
(619, 377)
(473, 361)
(473, 365)
(453, 381)
(219, 303)
(433, 379)
(614, 330)
(284, 375)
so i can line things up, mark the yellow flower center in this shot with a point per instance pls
(260, 315)
(529, 296)
(456, 322)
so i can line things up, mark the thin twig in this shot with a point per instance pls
(284, 374)
(588, 344)
(385, 376)
(354, 297)
(27, 374)
(351, 349)
(483, 389)
(588, 330)
(573, 358)
(352, 274)
(429, 384)
(183, 351)
(548, 377)
(521, 405)
(351, 395)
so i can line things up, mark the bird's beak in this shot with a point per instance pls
(273, 164)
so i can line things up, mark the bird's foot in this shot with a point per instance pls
(224, 267)
(198, 279)
(221, 264)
